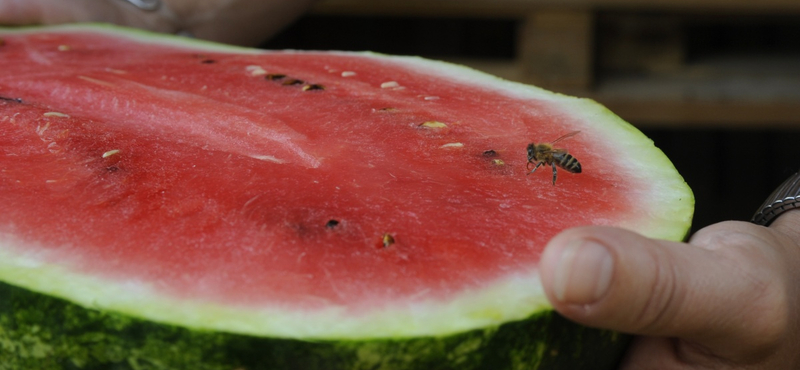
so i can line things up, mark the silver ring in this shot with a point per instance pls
(148, 5)
(785, 198)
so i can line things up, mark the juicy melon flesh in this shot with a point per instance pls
(196, 176)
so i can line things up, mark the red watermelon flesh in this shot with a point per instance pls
(198, 174)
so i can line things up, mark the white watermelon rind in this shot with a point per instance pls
(514, 298)
(496, 305)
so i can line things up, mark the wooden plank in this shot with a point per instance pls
(691, 5)
(517, 8)
(653, 103)
(466, 8)
(706, 114)
(555, 49)
(639, 43)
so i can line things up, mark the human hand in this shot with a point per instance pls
(243, 22)
(726, 300)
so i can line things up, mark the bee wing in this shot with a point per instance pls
(559, 153)
(569, 135)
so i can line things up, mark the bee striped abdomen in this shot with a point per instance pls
(567, 162)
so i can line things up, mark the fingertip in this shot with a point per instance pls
(605, 277)
(577, 272)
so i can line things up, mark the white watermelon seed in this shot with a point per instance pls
(433, 124)
(267, 158)
(110, 153)
(452, 145)
(255, 70)
(55, 114)
(116, 71)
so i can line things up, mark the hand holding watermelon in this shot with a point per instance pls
(192, 201)
(726, 300)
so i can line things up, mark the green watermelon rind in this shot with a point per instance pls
(518, 300)
(47, 333)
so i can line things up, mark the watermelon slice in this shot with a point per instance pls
(168, 203)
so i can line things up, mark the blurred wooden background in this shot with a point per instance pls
(715, 83)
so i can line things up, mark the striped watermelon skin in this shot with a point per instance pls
(41, 332)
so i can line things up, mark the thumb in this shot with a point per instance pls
(718, 298)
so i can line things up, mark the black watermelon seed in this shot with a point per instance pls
(13, 100)
(275, 76)
(313, 87)
(293, 81)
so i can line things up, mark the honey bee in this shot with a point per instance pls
(545, 153)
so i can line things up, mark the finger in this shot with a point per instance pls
(243, 22)
(652, 353)
(728, 299)
(660, 353)
(789, 224)
(19, 12)
(26, 12)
